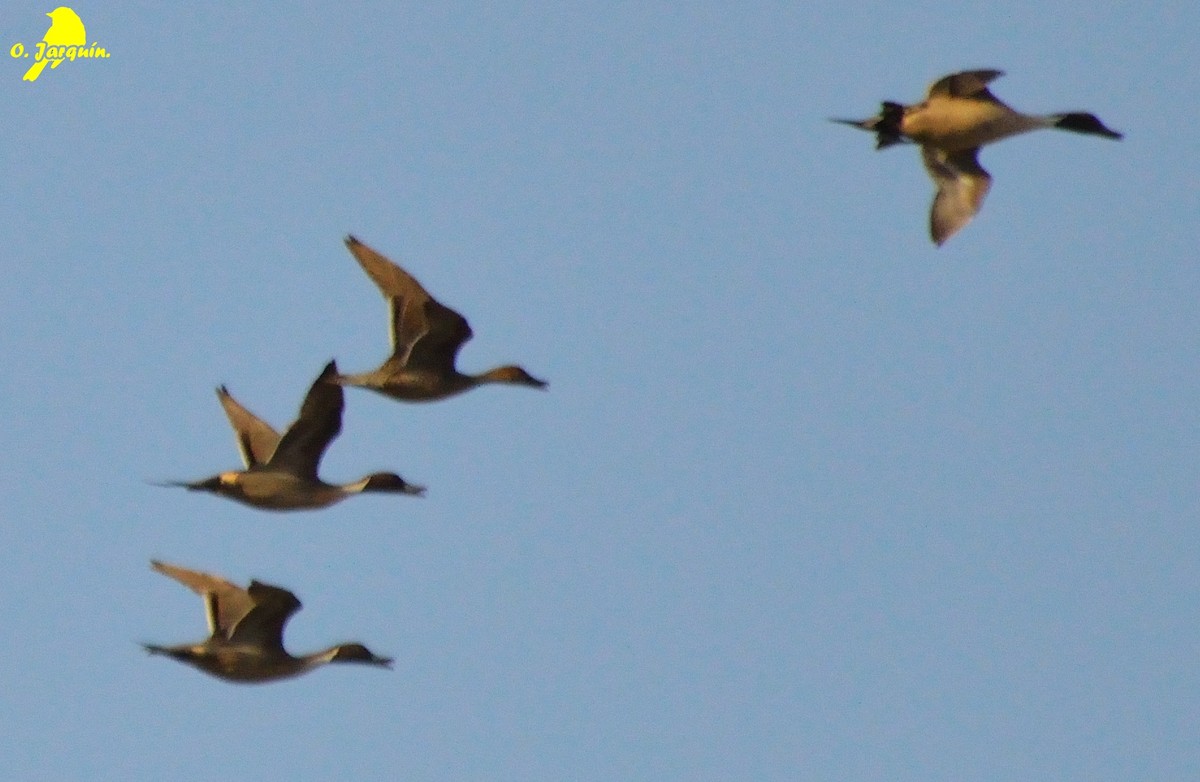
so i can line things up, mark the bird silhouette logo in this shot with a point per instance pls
(65, 40)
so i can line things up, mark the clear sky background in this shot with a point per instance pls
(808, 498)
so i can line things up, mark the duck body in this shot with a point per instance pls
(253, 664)
(959, 116)
(268, 489)
(953, 124)
(422, 385)
(242, 663)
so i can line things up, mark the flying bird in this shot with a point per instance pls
(281, 471)
(245, 632)
(958, 116)
(426, 338)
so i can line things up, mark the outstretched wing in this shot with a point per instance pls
(300, 449)
(961, 183)
(263, 624)
(255, 438)
(425, 333)
(226, 604)
(966, 84)
(437, 348)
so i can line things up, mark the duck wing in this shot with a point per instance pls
(262, 626)
(255, 438)
(425, 333)
(965, 84)
(961, 184)
(437, 348)
(225, 604)
(320, 420)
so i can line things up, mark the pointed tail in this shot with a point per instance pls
(885, 126)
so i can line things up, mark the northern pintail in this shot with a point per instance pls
(281, 472)
(426, 337)
(958, 116)
(245, 641)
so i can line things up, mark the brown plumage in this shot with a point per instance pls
(245, 632)
(958, 116)
(426, 337)
(281, 471)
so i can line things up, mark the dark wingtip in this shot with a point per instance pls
(329, 372)
(351, 240)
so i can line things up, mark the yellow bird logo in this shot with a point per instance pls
(66, 29)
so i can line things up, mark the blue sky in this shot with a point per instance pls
(808, 498)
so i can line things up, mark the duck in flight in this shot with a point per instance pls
(958, 116)
(426, 338)
(281, 471)
(245, 626)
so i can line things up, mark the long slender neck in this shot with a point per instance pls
(493, 375)
(307, 662)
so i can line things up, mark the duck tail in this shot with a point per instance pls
(887, 125)
(167, 651)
